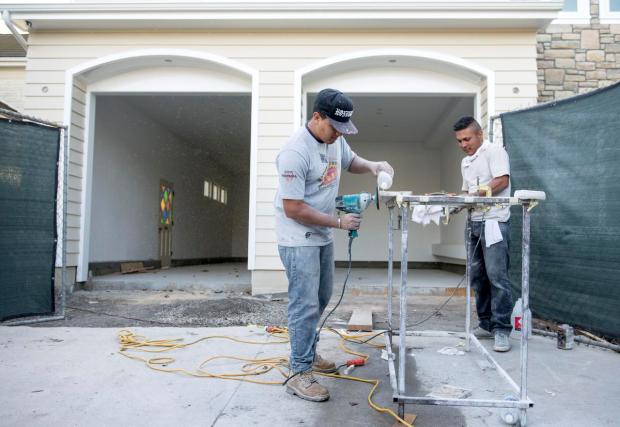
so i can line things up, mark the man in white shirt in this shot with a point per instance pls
(487, 164)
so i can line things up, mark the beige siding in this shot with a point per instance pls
(12, 86)
(76, 170)
(512, 55)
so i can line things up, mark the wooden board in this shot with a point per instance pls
(133, 267)
(409, 418)
(361, 320)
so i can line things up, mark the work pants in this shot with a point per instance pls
(310, 273)
(489, 278)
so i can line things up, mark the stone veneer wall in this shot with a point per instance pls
(574, 59)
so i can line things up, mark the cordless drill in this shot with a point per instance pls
(354, 203)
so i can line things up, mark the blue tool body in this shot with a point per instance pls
(354, 203)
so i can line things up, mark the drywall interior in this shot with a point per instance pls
(186, 140)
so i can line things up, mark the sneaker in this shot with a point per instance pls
(305, 386)
(501, 342)
(481, 333)
(323, 366)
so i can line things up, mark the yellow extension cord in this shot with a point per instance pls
(253, 367)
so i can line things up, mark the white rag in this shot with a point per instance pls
(492, 233)
(423, 214)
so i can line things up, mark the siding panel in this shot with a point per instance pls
(511, 54)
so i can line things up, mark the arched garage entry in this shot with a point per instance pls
(146, 118)
(405, 104)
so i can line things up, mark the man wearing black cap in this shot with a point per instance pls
(309, 168)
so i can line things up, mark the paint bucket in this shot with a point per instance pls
(566, 337)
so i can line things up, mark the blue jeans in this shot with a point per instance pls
(310, 273)
(489, 278)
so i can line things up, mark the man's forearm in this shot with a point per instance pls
(361, 165)
(306, 214)
(498, 184)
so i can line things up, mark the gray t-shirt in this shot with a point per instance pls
(309, 170)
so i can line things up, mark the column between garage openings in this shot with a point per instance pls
(79, 82)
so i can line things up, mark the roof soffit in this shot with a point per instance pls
(286, 14)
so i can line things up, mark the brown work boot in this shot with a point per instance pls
(323, 366)
(305, 386)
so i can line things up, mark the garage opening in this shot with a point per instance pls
(170, 186)
(413, 132)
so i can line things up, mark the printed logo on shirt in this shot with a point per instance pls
(289, 175)
(330, 175)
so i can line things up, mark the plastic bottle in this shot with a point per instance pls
(516, 316)
(384, 180)
(516, 319)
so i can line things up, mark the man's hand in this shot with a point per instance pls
(350, 221)
(496, 185)
(382, 166)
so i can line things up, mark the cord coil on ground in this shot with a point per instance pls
(251, 368)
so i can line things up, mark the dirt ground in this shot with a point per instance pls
(226, 308)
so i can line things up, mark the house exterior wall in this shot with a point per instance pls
(574, 59)
(276, 55)
(12, 84)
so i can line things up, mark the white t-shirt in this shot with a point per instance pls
(488, 162)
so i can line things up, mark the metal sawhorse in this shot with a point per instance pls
(403, 201)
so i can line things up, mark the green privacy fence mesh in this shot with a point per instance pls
(28, 184)
(571, 150)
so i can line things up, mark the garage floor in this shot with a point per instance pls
(60, 376)
(236, 277)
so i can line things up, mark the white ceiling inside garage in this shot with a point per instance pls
(217, 124)
(407, 118)
(220, 124)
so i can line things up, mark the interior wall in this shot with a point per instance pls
(452, 243)
(131, 154)
(416, 169)
(240, 202)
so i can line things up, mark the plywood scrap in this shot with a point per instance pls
(133, 267)
(361, 320)
(409, 419)
(449, 392)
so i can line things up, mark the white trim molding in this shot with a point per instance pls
(444, 62)
(91, 68)
(580, 17)
(607, 15)
(288, 14)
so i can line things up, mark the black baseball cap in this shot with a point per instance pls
(338, 108)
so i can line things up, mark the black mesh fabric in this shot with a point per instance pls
(571, 150)
(28, 181)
